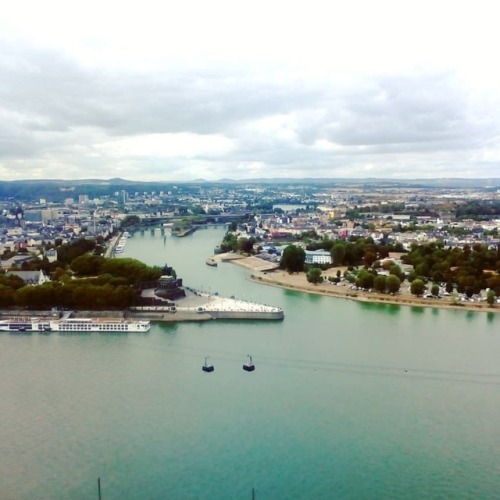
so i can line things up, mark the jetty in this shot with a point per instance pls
(180, 233)
(202, 306)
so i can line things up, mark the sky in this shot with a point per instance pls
(178, 91)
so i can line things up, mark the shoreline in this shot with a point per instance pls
(298, 282)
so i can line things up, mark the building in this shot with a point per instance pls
(17, 260)
(321, 257)
(30, 277)
(51, 254)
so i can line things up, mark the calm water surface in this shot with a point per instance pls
(348, 400)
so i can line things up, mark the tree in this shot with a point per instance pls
(122, 297)
(293, 258)
(392, 283)
(379, 283)
(437, 276)
(338, 254)
(417, 287)
(6, 296)
(396, 271)
(369, 257)
(24, 296)
(435, 289)
(387, 264)
(12, 281)
(87, 265)
(229, 243)
(245, 244)
(365, 279)
(70, 251)
(490, 297)
(314, 275)
(422, 269)
(134, 271)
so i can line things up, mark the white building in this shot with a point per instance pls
(30, 277)
(321, 257)
(51, 254)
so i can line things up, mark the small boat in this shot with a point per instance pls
(249, 367)
(206, 367)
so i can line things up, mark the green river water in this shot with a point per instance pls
(348, 400)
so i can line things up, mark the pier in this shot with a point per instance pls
(202, 306)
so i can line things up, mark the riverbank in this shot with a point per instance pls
(248, 261)
(298, 282)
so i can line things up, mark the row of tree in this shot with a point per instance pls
(80, 280)
(351, 252)
(72, 295)
(469, 270)
(293, 260)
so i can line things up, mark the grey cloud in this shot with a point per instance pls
(419, 111)
(53, 112)
(56, 94)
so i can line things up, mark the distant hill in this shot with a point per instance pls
(451, 183)
(60, 189)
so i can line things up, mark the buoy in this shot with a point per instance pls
(206, 367)
(249, 367)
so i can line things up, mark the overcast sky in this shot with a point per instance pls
(171, 91)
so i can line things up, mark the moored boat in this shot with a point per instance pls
(20, 324)
(68, 324)
(101, 325)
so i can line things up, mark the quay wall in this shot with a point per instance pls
(165, 317)
(186, 315)
(180, 314)
(265, 315)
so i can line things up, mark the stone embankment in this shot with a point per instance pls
(200, 306)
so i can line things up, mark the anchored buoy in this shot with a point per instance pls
(206, 367)
(249, 367)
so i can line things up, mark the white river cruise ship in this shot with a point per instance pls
(68, 324)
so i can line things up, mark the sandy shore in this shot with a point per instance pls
(249, 262)
(299, 282)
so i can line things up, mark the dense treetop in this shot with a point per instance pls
(80, 280)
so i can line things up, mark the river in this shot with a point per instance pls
(348, 400)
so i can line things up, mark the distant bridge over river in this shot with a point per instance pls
(202, 219)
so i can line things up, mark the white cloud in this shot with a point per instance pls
(186, 145)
